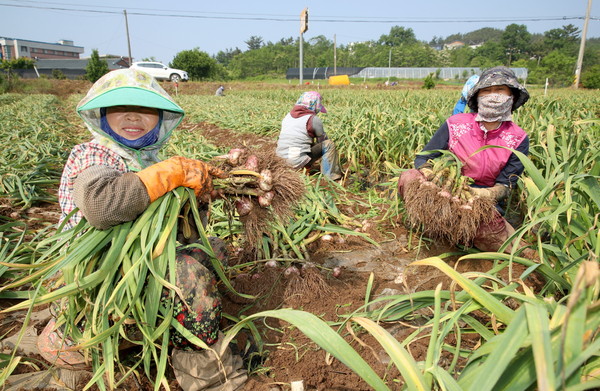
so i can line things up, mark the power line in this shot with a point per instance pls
(295, 18)
(147, 9)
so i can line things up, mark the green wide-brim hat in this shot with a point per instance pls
(131, 96)
(127, 87)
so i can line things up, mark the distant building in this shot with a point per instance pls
(453, 45)
(351, 45)
(71, 69)
(15, 48)
(475, 45)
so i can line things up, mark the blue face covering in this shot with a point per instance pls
(148, 139)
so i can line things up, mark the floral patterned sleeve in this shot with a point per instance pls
(514, 168)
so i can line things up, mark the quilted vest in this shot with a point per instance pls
(466, 137)
(294, 142)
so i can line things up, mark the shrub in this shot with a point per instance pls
(96, 68)
(3, 84)
(9, 67)
(429, 83)
(58, 74)
(591, 77)
(43, 85)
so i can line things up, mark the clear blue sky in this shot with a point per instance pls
(219, 25)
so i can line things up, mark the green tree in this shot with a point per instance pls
(497, 46)
(318, 52)
(486, 34)
(225, 57)
(476, 37)
(537, 47)
(416, 55)
(9, 67)
(487, 55)
(591, 55)
(461, 57)
(272, 59)
(436, 42)
(398, 35)
(428, 83)
(565, 39)
(557, 67)
(359, 54)
(17, 63)
(590, 78)
(95, 68)
(254, 42)
(198, 64)
(287, 41)
(515, 41)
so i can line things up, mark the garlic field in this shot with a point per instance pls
(480, 330)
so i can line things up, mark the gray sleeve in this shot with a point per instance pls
(317, 126)
(107, 197)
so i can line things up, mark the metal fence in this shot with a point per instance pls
(321, 73)
(421, 73)
(400, 73)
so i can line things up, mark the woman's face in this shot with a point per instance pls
(131, 122)
(501, 89)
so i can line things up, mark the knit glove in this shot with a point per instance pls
(497, 192)
(427, 172)
(169, 174)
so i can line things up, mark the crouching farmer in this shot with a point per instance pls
(302, 140)
(494, 171)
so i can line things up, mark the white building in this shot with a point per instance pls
(15, 48)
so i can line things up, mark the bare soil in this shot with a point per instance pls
(290, 355)
(67, 87)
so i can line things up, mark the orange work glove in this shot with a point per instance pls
(169, 174)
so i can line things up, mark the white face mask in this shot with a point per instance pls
(494, 108)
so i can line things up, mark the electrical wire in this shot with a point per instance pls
(281, 18)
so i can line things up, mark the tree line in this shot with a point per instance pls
(551, 55)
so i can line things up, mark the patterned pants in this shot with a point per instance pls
(200, 310)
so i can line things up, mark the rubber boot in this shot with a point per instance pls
(330, 165)
(492, 236)
(58, 350)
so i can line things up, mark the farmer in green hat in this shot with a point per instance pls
(113, 179)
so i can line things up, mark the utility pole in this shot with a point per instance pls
(301, 65)
(128, 42)
(389, 66)
(582, 45)
(334, 57)
(303, 29)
